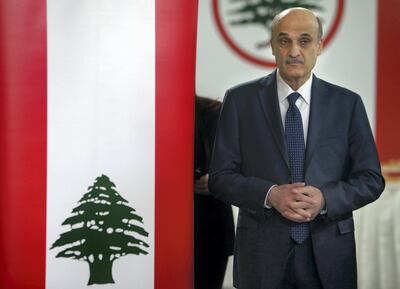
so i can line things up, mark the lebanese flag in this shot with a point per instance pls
(96, 110)
(387, 96)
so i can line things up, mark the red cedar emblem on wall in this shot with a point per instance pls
(245, 25)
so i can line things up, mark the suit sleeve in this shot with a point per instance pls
(226, 180)
(364, 182)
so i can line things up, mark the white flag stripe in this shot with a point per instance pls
(101, 99)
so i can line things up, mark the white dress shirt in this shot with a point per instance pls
(303, 103)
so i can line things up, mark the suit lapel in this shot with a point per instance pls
(318, 110)
(268, 97)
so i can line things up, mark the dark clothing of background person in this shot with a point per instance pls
(213, 220)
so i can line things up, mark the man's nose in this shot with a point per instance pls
(294, 50)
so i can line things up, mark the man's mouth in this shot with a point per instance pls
(294, 61)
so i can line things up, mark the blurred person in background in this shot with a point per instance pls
(213, 220)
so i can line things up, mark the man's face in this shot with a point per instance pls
(296, 46)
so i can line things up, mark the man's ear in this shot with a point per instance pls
(272, 47)
(320, 46)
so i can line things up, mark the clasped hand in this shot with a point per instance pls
(297, 202)
(201, 185)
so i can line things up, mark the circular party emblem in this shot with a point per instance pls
(245, 25)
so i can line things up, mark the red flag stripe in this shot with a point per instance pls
(388, 75)
(23, 144)
(175, 79)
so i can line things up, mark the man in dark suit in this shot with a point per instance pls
(297, 156)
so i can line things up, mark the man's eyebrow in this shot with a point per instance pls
(305, 34)
(283, 34)
(302, 35)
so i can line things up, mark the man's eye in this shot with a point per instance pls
(283, 41)
(304, 42)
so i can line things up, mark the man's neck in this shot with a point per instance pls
(295, 83)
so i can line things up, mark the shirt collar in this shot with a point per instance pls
(284, 89)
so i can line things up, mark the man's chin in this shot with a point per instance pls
(294, 69)
(294, 75)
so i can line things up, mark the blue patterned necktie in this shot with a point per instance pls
(296, 150)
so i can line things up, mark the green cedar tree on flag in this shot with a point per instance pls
(103, 228)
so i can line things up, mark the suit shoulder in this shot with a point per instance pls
(247, 89)
(339, 93)
(336, 89)
(248, 85)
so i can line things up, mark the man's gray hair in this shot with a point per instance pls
(279, 16)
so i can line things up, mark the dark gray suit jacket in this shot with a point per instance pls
(250, 156)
